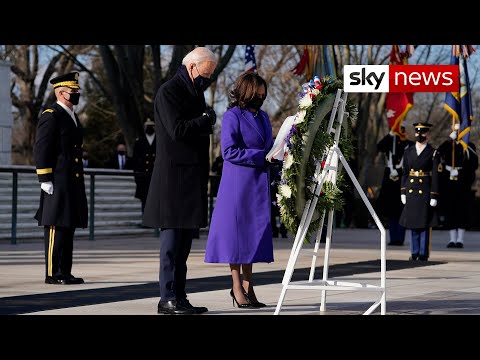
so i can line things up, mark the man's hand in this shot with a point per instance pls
(403, 197)
(454, 172)
(47, 187)
(433, 202)
(211, 115)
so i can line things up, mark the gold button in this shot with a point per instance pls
(77, 174)
(153, 154)
(76, 159)
(147, 154)
(146, 170)
(420, 191)
(146, 162)
(420, 180)
(74, 145)
(410, 191)
(411, 180)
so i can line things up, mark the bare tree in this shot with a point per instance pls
(30, 91)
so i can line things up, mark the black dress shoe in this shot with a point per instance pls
(54, 280)
(71, 280)
(413, 257)
(196, 309)
(451, 244)
(423, 258)
(459, 245)
(173, 308)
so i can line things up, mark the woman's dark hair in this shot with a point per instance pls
(245, 89)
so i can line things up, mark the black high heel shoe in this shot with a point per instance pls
(256, 304)
(241, 306)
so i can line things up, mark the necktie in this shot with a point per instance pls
(122, 162)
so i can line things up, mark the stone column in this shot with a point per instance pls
(6, 117)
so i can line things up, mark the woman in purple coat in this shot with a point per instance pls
(240, 231)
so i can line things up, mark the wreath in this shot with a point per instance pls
(306, 144)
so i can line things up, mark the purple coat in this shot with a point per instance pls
(240, 230)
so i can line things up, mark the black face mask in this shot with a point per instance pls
(121, 152)
(201, 83)
(256, 103)
(149, 130)
(74, 98)
(421, 138)
(85, 157)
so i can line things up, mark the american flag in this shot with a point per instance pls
(250, 62)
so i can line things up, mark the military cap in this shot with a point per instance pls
(69, 80)
(422, 126)
(149, 122)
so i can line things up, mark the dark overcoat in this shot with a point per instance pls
(457, 198)
(420, 183)
(143, 161)
(177, 196)
(388, 202)
(58, 158)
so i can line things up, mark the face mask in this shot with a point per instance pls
(421, 138)
(201, 83)
(256, 103)
(149, 130)
(121, 152)
(85, 157)
(74, 98)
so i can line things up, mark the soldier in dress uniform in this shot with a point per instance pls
(58, 160)
(143, 160)
(389, 204)
(456, 183)
(420, 191)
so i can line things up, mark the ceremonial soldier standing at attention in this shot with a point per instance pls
(58, 160)
(420, 191)
(143, 160)
(460, 165)
(389, 203)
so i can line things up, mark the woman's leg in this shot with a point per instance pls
(237, 284)
(247, 281)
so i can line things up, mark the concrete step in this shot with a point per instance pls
(98, 223)
(134, 204)
(27, 216)
(81, 233)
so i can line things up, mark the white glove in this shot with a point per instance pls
(403, 197)
(391, 133)
(453, 135)
(47, 187)
(393, 173)
(433, 202)
(454, 172)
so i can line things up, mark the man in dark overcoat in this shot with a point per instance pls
(388, 203)
(460, 164)
(177, 200)
(58, 160)
(143, 161)
(420, 191)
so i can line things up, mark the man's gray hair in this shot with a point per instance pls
(199, 55)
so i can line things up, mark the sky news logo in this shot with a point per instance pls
(400, 78)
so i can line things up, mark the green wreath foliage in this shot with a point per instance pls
(307, 143)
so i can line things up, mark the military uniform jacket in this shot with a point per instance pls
(58, 158)
(388, 202)
(420, 183)
(143, 159)
(177, 196)
(456, 197)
